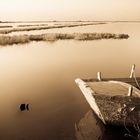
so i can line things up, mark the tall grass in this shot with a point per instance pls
(10, 40)
(20, 39)
(96, 36)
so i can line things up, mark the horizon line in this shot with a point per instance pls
(28, 21)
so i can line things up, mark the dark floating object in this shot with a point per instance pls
(24, 107)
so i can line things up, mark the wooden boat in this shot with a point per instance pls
(114, 102)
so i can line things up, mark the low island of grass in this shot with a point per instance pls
(21, 39)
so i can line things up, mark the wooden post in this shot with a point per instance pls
(130, 91)
(132, 71)
(99, 76)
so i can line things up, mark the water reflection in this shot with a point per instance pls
(42, 74)
(90, 127)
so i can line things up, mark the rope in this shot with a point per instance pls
(125, 125)
(136, 81)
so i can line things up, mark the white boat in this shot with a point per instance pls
(114, 102)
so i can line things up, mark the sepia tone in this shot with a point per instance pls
(45, 46)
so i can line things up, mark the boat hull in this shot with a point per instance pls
(111, 103)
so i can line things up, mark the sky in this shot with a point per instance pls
(34, 10)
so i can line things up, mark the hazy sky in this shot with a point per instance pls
(69, 9)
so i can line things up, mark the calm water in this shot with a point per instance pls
(42, 74)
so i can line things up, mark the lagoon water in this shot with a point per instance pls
(43, 73)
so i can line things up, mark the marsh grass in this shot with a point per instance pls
(6, 26)
(21, 39)
(32, 25)
(97, 36)
(7, 31)
(10, 40)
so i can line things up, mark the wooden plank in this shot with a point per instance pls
(130, 81)
(113, 88)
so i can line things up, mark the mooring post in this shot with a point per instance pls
(132, 71)
(99, 76)
(130, 91)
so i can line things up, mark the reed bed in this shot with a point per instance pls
(6, 26)
(32, 25)
(10, 40)
(7, 31)
(21, 39)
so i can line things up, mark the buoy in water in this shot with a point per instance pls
(24, 107)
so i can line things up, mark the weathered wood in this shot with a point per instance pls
(132, 74)
(112, 88)
(110, 101)
(99, 76)
(130, 81)
(88, 93)
(119, 110)
(130, 91)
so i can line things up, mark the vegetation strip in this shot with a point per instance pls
(32, 25)
(21, 39)
(5, 26)
(7, 31)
